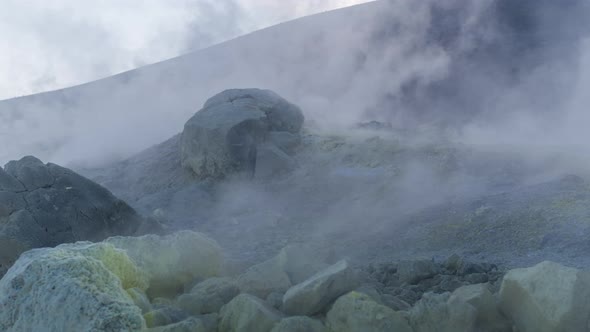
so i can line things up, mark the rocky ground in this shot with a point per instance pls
(181, 282)
(298, 230)
(379, 192)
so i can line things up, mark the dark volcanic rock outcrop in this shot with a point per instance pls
(45, 205)
(225, 135)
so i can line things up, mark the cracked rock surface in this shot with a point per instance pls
(227, 133)
(43, 205)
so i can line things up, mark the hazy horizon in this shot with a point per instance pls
(46, 46)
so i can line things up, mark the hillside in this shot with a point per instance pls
(387, 60)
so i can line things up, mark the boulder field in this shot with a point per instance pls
(54, 279)
(180, 282)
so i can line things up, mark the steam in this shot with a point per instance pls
(491, 73)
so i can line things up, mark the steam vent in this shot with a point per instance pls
(391, 166)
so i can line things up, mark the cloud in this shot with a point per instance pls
(46, 45)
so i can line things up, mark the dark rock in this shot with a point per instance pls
(55, 205)
(272, 161)
(477, 278)
(453, 263)
(9, 183)
(449, 284)
(275, 300)
(225, 135)
(409, 296)
(395, 303)
(285, 140)
(30, 172)
(470, 268)
(208, 296)
(375, 125)
(413, 271)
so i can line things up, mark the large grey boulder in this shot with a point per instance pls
(358, 312)
(208, 296)
(321, 289)
(74, 287)
(30, 172)
(173, 260)
(247, 313)
(272, 161)
(547, 297)
(224, 135)
(43, 205)
(284, 140)
(9, 183)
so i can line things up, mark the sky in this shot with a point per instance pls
(47, 45)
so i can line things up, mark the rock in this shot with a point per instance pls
(10, 250)
(453, 263)
(30, 172)
(9, 183)
(371, 291)
(375, 125)
(358, 312)
(264, 278)
(282, 115)
(547, 297)
(172, 260)
(75, 287)
(46, 205)
(206, 323)
(488, 317)
(414, 271)
(409, 296)
(301, 262)
(224, 136)
(476, 278)
(433, 313)
(164, 315)
(157, 317)
(272, 161)
(284, 140)
(321, 289)
(299, 324)
(466, 268)
(388, 300)
(114, 259)
(208, 296)
(450, 283)
(395, 303)
(246, 313)
(150, 225)
(162, 302)
(275, 300)
(11, 202)
(140, 299)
